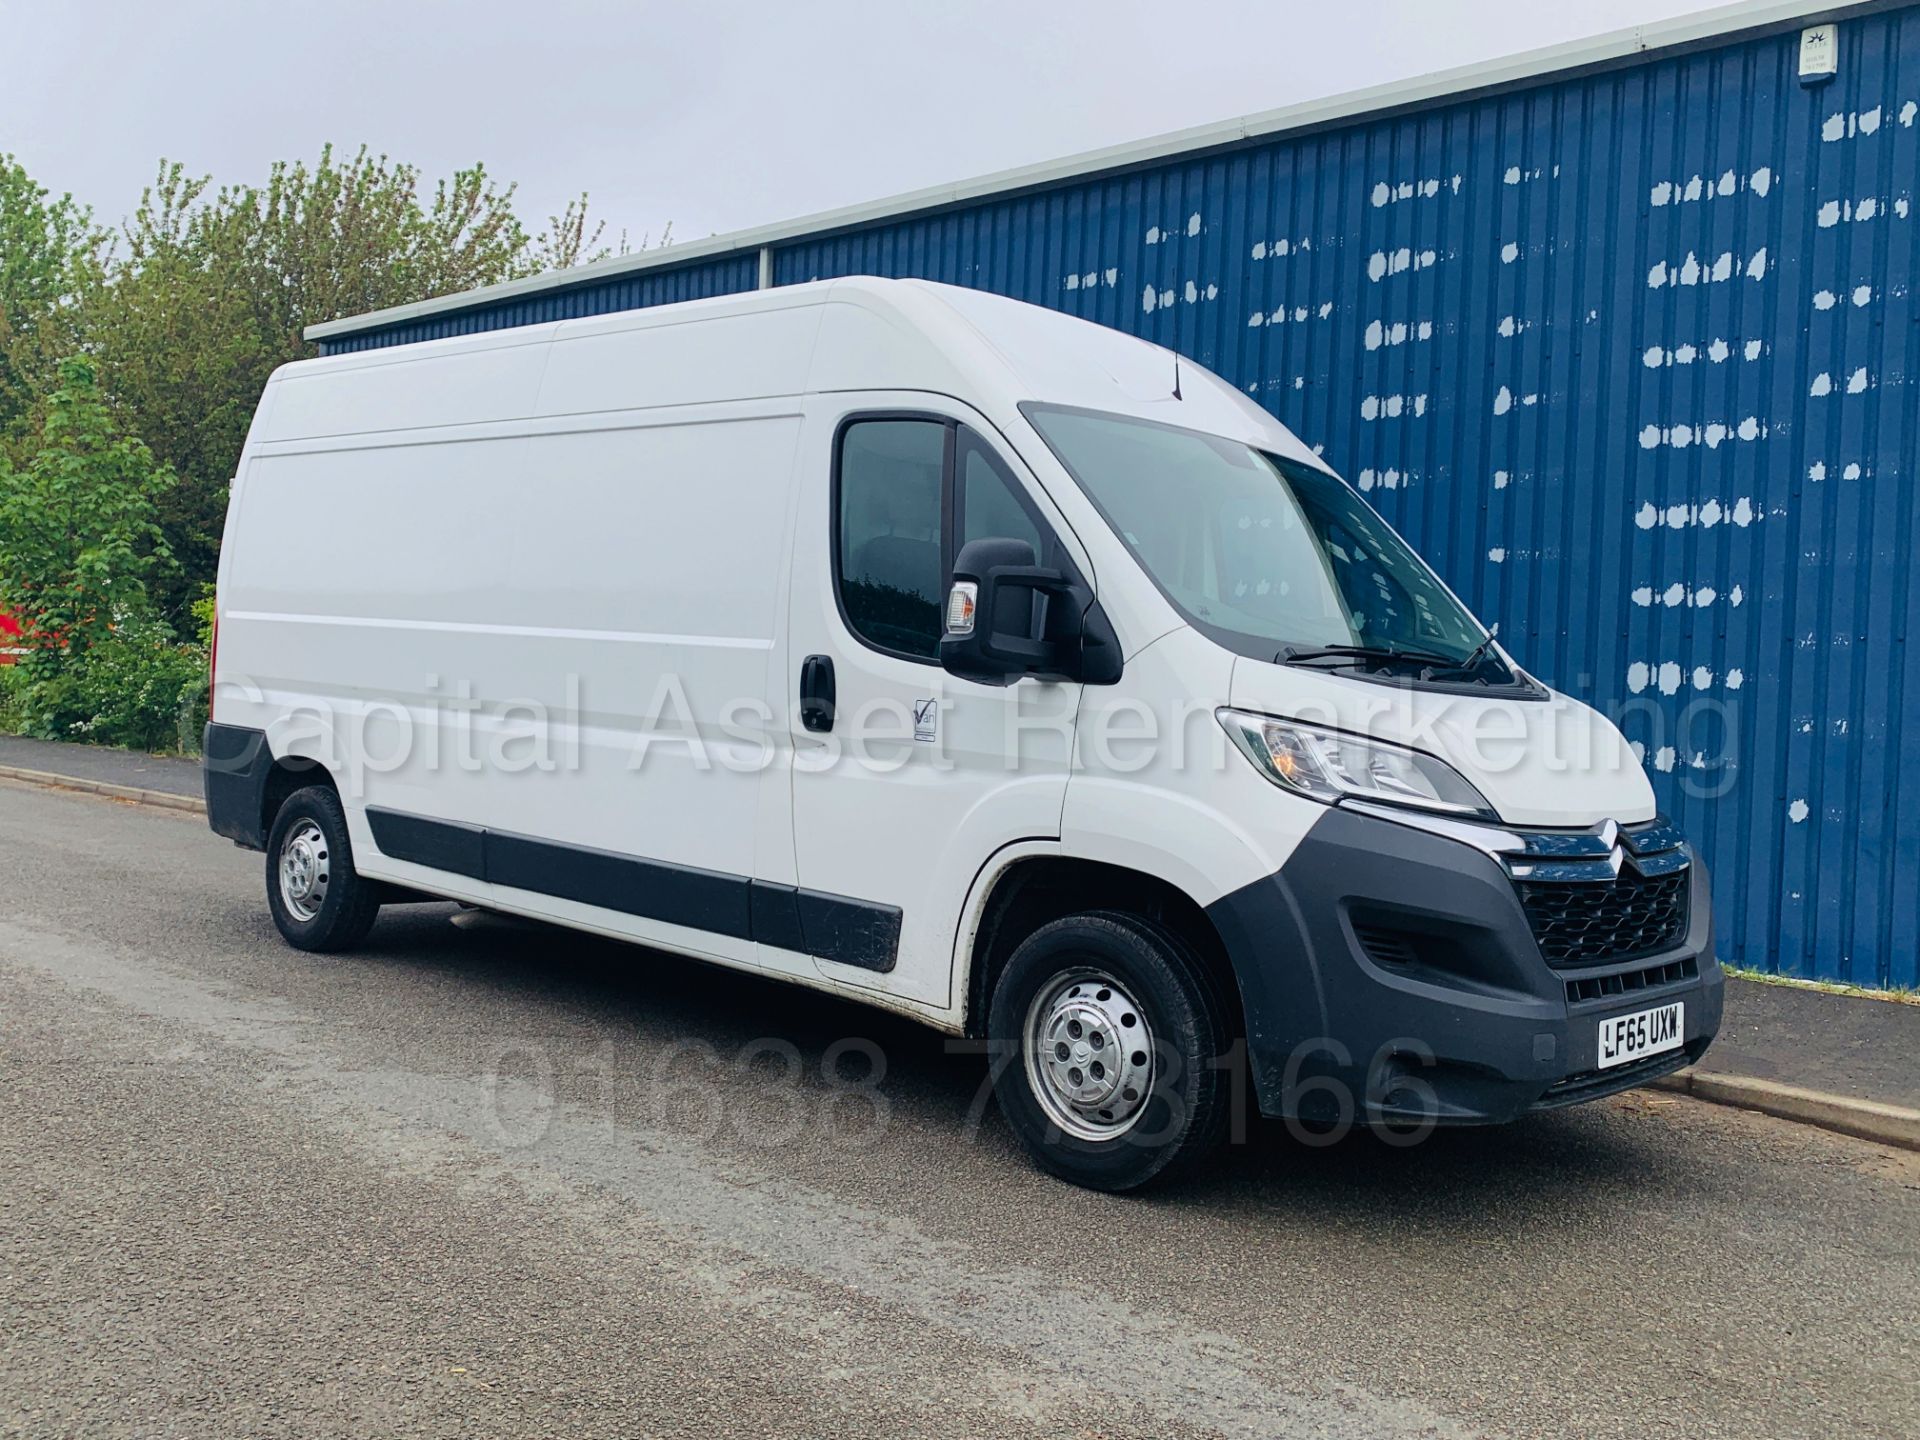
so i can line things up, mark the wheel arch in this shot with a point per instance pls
(246, 781)
(1032, 885)
(287, 775)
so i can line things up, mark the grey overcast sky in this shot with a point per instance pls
(713, 116)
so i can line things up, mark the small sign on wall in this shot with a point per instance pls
(1819, 54)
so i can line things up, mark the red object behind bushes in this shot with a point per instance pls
(10, 647)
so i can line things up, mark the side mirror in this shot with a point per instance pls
(990, 615)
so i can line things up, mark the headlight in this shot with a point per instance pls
(1327, 765)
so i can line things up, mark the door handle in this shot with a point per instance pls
(817, 693)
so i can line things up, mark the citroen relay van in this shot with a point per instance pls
(957, 657)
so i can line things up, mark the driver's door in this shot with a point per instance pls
(920, 776)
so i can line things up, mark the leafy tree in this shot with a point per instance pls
(49, 254)
(213, 289)
(78, 539)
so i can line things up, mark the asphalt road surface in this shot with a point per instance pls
(493, 1179)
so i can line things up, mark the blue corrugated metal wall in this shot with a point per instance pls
(1632, 358)
(723, 276)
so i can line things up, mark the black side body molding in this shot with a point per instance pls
(832, 927)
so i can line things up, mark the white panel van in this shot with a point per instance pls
(961, 658)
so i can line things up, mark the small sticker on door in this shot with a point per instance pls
(926, 720)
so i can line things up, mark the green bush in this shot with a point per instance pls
(139, 688)
(12, 682)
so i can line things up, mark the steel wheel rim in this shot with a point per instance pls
(1089, 1054)
(304, 870)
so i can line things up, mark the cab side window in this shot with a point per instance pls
(990, 506)
(891, 563)
(909, 494)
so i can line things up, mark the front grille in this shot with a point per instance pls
(1632, 982)
(1584, 922)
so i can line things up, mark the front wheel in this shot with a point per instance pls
(318, 899)
(1109, 1041)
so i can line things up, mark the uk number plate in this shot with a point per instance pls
(1650, 1032)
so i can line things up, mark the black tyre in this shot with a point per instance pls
(1107, 1038)
(319, 901)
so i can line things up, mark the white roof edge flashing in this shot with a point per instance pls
(1701, 27)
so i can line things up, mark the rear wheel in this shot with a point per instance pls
(319, 902)
(1108, 1038)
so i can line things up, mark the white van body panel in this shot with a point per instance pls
(476, 555)
(1180, 809)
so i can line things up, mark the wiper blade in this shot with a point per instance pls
(1351, 653)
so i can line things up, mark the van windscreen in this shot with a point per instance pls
(1271, 557)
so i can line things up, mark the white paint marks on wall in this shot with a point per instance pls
(1512, 325)
(1716, 351)
(1849, 124)
(1869, 207)
(1797, 812)
(1189, 293)
(1498, 554)
(1505, 399)
(1694, 271)
(1383, 263)
(1392, 407)
(1296, 314)
(1501, 479)
(1399, 333)
(1701, 188)
(1281, 248)
(1680, 595)
(1713, 434)
(1858, 383)
(1517, 176)
(1669, 676)
(1509, 253)
(1861, 296)
(1385, 193)
(1640, 675)
(1742, 513)
(1156, 235)
(1092, 280)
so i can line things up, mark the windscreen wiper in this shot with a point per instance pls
(1473, 658)
(1351, 653)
